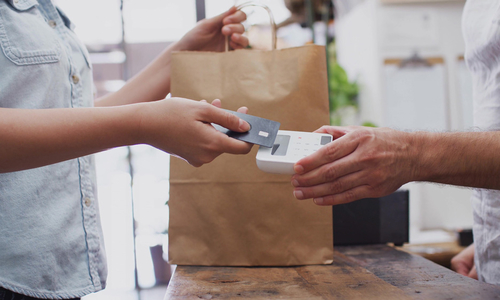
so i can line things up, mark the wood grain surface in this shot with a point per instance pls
(358, 272)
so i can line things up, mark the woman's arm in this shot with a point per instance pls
(153, 83)
(34, 138)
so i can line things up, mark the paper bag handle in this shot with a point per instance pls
(271, 17)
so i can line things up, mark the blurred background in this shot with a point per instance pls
(396, 63)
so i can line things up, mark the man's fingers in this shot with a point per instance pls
(351, 195)
(335, 131)
(473, 273)
(338, 186)
(328, 153)
(326, 173)
(462, 269)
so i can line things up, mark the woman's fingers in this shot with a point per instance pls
(237, 17)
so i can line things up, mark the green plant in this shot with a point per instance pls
(368, 124)
(343, 92)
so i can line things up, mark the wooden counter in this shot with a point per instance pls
(358, 272)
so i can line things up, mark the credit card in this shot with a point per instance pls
(262, 131)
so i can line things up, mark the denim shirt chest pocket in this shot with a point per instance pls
(25, 36)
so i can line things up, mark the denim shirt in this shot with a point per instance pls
(481, 26)
(51, 243)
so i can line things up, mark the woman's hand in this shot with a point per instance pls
(32, 138)
(153, 82)
(183, 128)
(210, 34)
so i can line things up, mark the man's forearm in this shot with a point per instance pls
(34, 138)
(462, 158)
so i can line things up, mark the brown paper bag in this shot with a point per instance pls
(229, 213)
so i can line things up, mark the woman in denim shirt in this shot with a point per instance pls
(51, 239)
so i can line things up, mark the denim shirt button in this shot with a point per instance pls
(88, 202)
(52, 23)
(76, 79)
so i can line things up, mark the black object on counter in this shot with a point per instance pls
(465, 237)
(373, 220)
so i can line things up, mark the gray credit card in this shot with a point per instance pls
(262, 131)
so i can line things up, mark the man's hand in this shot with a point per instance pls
(365, 162)
(183, 128)
(210, 34)
(360, 163)
(463, 263)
